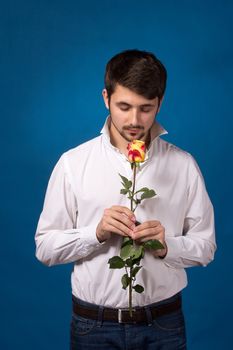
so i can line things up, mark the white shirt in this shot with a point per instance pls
(86, 180)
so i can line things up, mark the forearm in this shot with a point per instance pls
(55, 247)
(196, 244)
(184, 251)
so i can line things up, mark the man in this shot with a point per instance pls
(85, 217)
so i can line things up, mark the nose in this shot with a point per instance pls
(135, 116)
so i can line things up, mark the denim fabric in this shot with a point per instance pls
(164, 333)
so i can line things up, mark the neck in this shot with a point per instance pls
(117, 140)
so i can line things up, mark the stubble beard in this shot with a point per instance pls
(123, 131)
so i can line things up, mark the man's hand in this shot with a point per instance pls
(151, 230)
(117, 219)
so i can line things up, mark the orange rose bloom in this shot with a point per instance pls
(137, 151)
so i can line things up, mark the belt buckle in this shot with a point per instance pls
(120, 313)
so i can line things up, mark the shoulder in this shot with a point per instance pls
(82, 151)
(74, 160)
(172, 150)
(178, 158)
(84, 147)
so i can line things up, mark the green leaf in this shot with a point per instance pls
(138, 288)
(126, 183)
(138, 252)
(144, 189)
(129, 262)
(135, 270)
(126, 241)
(123, 178)
(124, 191)
(148, 194)
(136, 259)
(153, 244)
(125, 281)
(116, 262)
(127, 251)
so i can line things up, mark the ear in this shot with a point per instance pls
(105, 97)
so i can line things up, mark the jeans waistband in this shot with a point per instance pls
(140, 314)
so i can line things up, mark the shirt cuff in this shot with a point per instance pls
(87, 235)
(174, 251)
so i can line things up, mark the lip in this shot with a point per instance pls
(134, 131)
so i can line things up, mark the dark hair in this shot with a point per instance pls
(139, 71)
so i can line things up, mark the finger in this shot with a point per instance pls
(117, 227)
(147, 225)
(124, 210)
(120, 217)
(148, 238)
(152, 232)
(117, 220)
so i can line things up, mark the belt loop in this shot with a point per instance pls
(148, 316)
(100, 316)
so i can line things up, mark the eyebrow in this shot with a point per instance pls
(122, 103)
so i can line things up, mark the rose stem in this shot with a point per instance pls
(132, 209)
(130, 292)
(134, 183)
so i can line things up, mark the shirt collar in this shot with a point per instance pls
(156, 130)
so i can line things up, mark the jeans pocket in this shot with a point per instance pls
(81, 326)
(170, 322)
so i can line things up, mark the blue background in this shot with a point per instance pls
(52, 61)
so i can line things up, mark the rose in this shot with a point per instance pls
(136, 151)
(131, 253)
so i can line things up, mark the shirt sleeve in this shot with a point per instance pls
(58, 241)
(196, 244)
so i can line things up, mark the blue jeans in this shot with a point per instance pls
(166, 332)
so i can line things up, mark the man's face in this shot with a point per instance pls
(132, 115)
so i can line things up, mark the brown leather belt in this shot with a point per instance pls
(123, 316)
